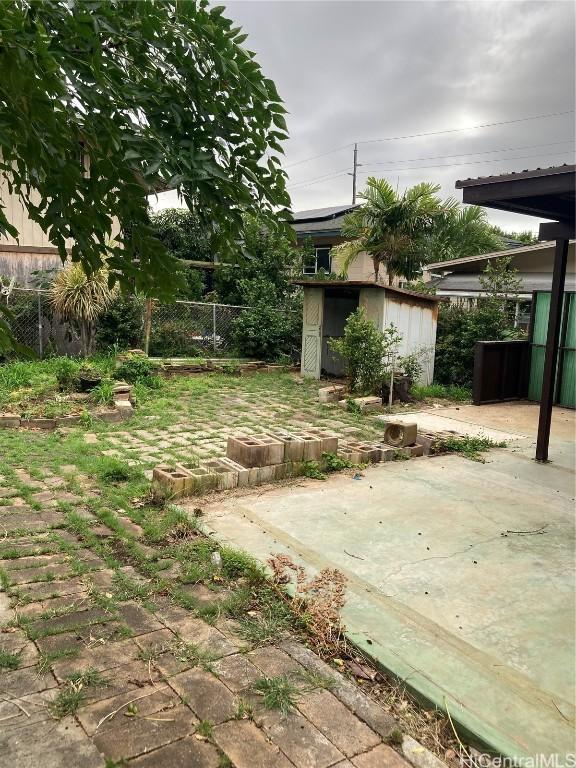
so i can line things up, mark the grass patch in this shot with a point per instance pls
(10, 660)
(46, 660)
(441, 392)
(110, 469)
(277, 693)
(194, 654)
(470, 447)
(205, 729)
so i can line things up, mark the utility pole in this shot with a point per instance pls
(354, 170)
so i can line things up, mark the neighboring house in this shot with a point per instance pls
(322, 228)
(32, 251)
(459, 279)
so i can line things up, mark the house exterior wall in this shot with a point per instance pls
(362, 268)
(21, 264)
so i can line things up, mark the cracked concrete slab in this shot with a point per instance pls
(460, 575)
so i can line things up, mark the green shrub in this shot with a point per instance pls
(442, 391)
(66, 371)
(135, 368)
(457, 333)
(121, 325)
(174, 338)
(103, 394)
(267, 332)
(366, 351)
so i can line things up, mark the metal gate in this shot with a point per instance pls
(565, 384)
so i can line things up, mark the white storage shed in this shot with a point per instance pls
(328, 303)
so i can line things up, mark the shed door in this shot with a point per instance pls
(312, 332)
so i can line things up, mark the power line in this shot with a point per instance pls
(475, 162)
(431, 133)
(468, 154)
(432, 157)
(469, 128)
(345, 172)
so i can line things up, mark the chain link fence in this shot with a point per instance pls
(193, 329)
(180, 329)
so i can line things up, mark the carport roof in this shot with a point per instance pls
(544, 192)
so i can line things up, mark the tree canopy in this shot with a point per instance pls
(405, 231)
(153, 95)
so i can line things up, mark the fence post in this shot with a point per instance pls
(147, 324)
(214, 326)
(40, 345)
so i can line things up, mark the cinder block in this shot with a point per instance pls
(399, 435)
(427, 441)
(261, 475)
(171, 481)
(350, 454)
(312, 446)
(293, 445)
(9, 420)
(331, 394)
(368, 453)
(243, 472)
(328, 439)
(387, 453)
(198, 480)
(369, 403)
(226, 477)
(282, 471)
(255, 450)
(415, 450)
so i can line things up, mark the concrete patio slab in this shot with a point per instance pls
(460, 575)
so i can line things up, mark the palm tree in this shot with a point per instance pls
(391, 227)
(461, 231)
(81, 299)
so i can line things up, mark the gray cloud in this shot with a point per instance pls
(354, 71)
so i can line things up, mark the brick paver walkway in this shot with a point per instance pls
(94, 669)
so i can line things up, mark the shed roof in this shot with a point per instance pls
(368, 284)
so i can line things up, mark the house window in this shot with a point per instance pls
(320, 260)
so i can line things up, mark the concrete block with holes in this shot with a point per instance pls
(332, 393)
(242, 472)
(293, 445)
(328, 439)
(226, 475)
(312, 450)
(369, 453)
(170, 481)
(255, 450)
(399, 434)
(198, 480)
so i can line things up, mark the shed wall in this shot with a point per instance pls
(417, 324)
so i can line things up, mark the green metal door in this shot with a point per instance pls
(565, 390)
(567, 359)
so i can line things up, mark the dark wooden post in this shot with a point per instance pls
(552, 343)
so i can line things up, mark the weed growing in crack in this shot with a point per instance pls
(9, 659)
(277, 693)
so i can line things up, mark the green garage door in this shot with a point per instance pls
(565, 392)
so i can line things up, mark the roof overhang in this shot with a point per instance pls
(548, 193)
(400, 292)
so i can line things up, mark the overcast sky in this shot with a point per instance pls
(358, 71)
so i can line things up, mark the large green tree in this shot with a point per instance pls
(391, 227)
(154, 95)
(405, 231)
(460, 231)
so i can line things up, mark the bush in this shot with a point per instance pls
(457, 333)
(267, 332)
(135, 369)
(66, 371)
(174, 338)
(367, 352)
(121, 325)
